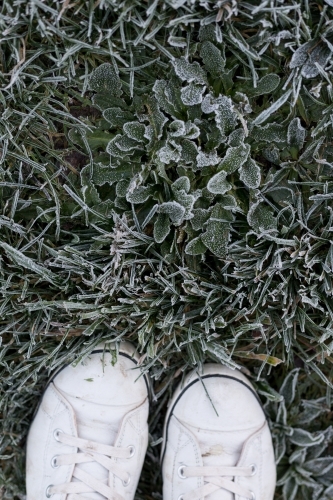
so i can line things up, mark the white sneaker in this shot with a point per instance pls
(89, 437)
(228, 456)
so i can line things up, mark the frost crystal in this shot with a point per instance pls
(189, 72)
(234, 158)
(296, 133)
(207, 159)
(195, 247)
(104, 79)
(209, 104)
(226, 117)
(174, 210)
(212, 58)
(260, 218)
(218, 183)
(166, 154)
(308, 54)
(250, 174)
(135, 131)
(192, 94)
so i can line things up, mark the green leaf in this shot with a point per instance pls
(218, 183)
(195, 247)
(135, 131)
(139, 195)
(260, 218)
(174, 210)
(216, 237)
(250, 174)
(305, 438)
(200, 216)
(189, 72)
(272, 132)
(296, 133)
(212, 58)
(161, 227)
(117, 117)
(103, 174)
(192, 94)
(265, 85)
(104, 79)
(234, 158)
(288, 389)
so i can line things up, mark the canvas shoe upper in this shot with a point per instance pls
(89, 436)
(217, 444)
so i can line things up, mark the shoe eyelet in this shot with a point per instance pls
(56, 433)
(132, 450)
(181, 472)
(126, 483)
(54, 462)
(47, 491)
(253, 497)
(180, 497)
(254, 471)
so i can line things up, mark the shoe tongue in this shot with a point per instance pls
(220, 449)
(99, 423)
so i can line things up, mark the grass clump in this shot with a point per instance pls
(166, 178)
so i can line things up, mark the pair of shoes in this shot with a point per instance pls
(89, 436)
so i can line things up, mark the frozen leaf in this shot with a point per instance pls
(182, 183)
(103, 174)
(216, 237)
(225, 116)
(174, 210)
(264, 115)
(167, 154)
(236, 138)
(195, 247)
(104, 79)
(305, 438)
(290, 488)
(122, 188)
(209, 104)
(192, 94)
(160, 89)
(117, 117)
(260, 218)
(296, 133)
(272, 132)
(329, 2)
(192, 131)
(250, 174)
(161, 227)
(218, 183)
(288, 389)
(207, 159)
(234, 158)
(189, 151)
(266, 85)
(135, 131)
(177, 128)
(208, 32)
(156, 117)
(139, 194)
(125, 143)
(228, 202)
(189, 72)
(212, 58)
(177, 41)
(221, 214)
(272, 154)
(200, 216)
(308, 54)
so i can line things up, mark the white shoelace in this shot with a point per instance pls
(217, 480)
(91, 452)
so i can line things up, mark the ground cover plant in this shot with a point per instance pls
(166, 178)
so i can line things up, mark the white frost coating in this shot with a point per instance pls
(189, 72)
(182, 183)
(296, 133)
(260, 218)
(167, 155)
(195, 247)
(135, 131)
(105, 79)
(250, 174)
(207, 159)
(174, 210)
(225, 116)
(177, 128)
(192, 94)
(218, 183)
(274, 107)
(209, 104)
